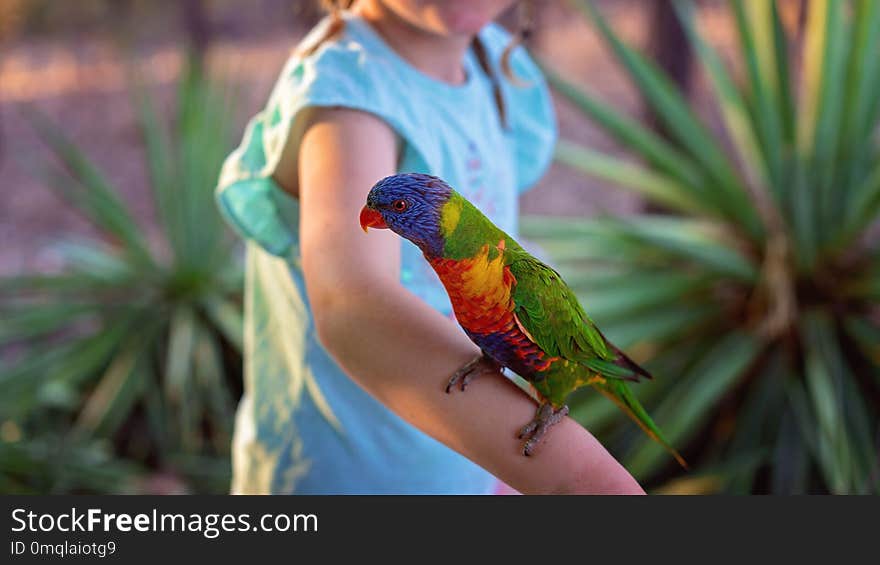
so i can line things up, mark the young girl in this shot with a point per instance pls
(349, 340)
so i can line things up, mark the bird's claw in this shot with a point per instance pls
(475, 367)
(545, 417)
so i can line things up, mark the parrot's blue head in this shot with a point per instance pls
(410, 205)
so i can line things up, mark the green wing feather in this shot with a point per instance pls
(549, 311)
(619, 393)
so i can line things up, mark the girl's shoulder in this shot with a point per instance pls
(340, 68)
(355, 64)
(358, 69)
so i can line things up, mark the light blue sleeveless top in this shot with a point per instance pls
(303, 426)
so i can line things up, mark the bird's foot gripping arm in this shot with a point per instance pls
(474, 368)
(545, 418)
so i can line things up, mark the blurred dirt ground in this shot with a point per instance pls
(77, 78)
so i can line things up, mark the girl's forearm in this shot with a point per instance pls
(403, 352)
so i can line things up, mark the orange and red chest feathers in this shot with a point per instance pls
(480, 289)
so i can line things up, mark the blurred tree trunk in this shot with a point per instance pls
(669, 47)
(2, 143)
(793, 14)
(122, 30)
(11, 20)
(198, 30)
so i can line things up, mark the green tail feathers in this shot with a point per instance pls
(618, 392)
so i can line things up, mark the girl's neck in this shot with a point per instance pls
(435, 55)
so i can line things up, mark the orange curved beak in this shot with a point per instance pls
(372, 219)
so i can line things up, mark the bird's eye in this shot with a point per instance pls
(399, 205)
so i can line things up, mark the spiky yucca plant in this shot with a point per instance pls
(128, 358)
(756, 301)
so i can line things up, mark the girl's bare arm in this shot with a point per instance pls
(397, 347)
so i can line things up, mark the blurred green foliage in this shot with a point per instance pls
(756, 300)
(127, 362)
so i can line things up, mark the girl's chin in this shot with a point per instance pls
(465, 24)
(466, 18)
(450, 18)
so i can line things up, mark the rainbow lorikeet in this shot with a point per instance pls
(515, 308)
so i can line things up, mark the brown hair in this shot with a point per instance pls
(337, 24)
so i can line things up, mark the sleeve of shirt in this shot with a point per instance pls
(249, 198)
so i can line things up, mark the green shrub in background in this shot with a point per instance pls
(757, 299)
(128, 361)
